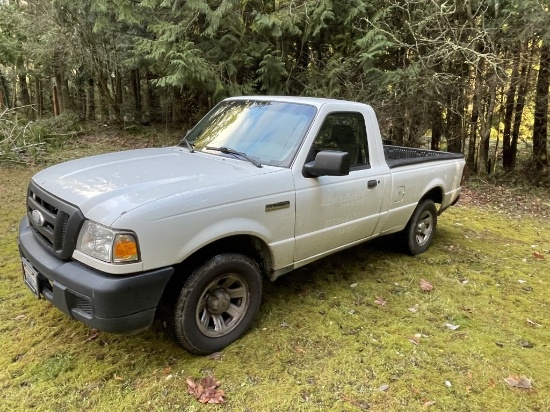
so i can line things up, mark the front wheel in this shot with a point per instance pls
(217, 303)
(420, 230)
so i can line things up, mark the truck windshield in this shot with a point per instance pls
(266, 131)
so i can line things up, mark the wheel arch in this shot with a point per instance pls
(435, 194)
(245, 244)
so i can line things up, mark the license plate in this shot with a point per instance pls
(30, 275)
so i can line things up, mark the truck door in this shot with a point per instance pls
(334, 211)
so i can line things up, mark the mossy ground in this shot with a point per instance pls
(320, 341)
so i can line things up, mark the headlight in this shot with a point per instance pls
(106, 244)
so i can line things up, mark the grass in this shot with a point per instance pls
(320, 341)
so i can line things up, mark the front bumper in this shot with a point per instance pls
(102, 301)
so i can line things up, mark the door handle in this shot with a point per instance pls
(372, 183)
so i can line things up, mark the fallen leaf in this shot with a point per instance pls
(451, 326)
(414, 309)
(215, 356)
(19, 317)
(353, 285)
(538, 255)
(522, 382)
(414, 341)
(206, 390)
(384, 387)
(93, 334)
(429, 403)
(380, 301)
(425, 286)
(522, 281)
(299, 349)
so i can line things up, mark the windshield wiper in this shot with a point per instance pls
(228, 150)
(189, 145)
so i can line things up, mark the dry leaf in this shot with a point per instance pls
(414, 340)
(532, 322)
(425, 286)
(206, 390)
(353, 285)
(522, 382)
(414, 309)
(93, 334)
(538, 255)
(380, 301)
(299, 349)
(451, 326)
(215, 356)
(429, 403)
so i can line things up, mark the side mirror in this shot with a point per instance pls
(328, 163)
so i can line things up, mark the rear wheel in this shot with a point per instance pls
(217, 303)
(420, 230)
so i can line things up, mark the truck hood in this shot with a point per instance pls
(107, 186)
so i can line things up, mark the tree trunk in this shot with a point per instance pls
(80, 93)
(454, 130)
(25, 97)
(520, 104)
(507, 154)
(118, 90)
(476, 105)
(540, 124)
(67, 102)
(151, 104)
(38, 97)
(107, 98)
(55, 101)
(5, 92)
(90, 99)
(437, 127)
(484, 165)
(62, 89)
(135, 82)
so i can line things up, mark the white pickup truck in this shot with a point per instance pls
(259, 187)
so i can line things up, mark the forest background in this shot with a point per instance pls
(468, 76)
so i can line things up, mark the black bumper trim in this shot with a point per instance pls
(119, 304)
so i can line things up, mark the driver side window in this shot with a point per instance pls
(344, 132)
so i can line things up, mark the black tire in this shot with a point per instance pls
(217, 303)
(420, 231)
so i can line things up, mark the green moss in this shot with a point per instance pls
(320, 341)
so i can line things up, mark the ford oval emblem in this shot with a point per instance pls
(38, 218)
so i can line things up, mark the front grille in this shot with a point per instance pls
(55, 222)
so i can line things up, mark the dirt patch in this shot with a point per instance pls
(514, 201)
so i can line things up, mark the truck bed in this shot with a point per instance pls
(397, 156)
